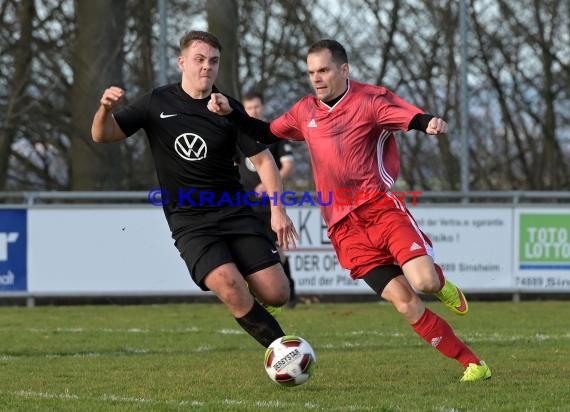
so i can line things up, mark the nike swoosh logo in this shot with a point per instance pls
(462, 305)
(273, 251)
(164, 116)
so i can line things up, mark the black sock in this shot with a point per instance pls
(287, 271)
(261, 325)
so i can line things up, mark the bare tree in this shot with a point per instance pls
(140, 76)
(223, 22)
(67, 51)
(97, 63)
(17, 79)
(274, 38)
(524, 60)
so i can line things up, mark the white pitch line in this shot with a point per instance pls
(409, 342)
(192, 329)
(472, 337)
(231, 331)
(105, 397)
(478, 337)
(250, 404)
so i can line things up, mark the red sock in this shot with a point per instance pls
(437, 332)
(440, 275)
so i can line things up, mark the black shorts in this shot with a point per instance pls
(264, 213)
(233, 234)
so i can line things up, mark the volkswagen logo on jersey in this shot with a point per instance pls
(249, 165)
(190, 146)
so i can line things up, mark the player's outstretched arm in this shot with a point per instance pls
(250, 126)
(104, 128)
(428, 123)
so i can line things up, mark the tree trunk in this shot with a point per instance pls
(22, 68)
(140, 173)
(97, 62)
(223, 23)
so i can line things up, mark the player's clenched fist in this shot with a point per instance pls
(437, 126)
(112, 96)
(219, 104)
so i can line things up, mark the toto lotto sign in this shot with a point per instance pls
(544, 241)
(543, 251)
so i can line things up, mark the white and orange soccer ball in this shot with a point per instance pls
(290, 361)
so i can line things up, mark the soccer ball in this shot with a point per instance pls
(290, 361)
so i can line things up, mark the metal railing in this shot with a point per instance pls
(30, 198)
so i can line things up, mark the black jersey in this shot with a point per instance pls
(248, 175)
(193, 150)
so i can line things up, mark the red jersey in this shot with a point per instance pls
(352, 144)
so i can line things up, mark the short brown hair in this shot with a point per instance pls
(337, 50)
(253, 94)
(195, 35)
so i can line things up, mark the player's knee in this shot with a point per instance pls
(422, 275)
(233, 296)
(270, 286)
(279, 296)
(427, 283)
(227, 284)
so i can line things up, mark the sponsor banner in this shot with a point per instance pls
(92, 250)
(313, 263)
(13, 250)
(543, 250)
(473, 245)
(129, 250)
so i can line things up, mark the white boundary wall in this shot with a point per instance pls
(128, 251)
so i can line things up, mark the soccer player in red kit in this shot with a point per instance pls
(349, 130)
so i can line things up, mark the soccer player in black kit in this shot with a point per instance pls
(282, 152)
(223, 243)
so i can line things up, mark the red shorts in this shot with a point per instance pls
(378, 234)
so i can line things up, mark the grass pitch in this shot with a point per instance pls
(195, 357)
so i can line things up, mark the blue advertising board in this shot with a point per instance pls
(13, 250)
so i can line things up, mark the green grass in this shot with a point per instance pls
(195, 357)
